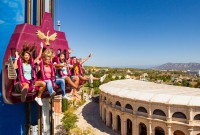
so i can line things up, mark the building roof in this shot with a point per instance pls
(152, 92)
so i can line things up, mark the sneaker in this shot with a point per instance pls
(103, 78)
(53, 94)
(39, 101)
(91, 78)
(24, 94)
(66, 97)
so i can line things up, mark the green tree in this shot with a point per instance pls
(185, 83)
(64, 105)
(117, 78)
(123, 77)
(69, 120)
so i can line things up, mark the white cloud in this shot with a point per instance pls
(11, 4)
(1, 21)
(19, 16)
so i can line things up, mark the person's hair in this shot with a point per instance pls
(46, 56)
(62, 53)
(73, 57)
(27, 48)
(47, 53)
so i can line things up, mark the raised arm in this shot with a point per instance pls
(40, 53)
(85, 59)
(58, 66)
(16, 58)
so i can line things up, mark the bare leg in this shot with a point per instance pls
(76, 80)
(25, 85)
(24, 91)
(85, 78)
(42, 86)
(70, 82)
(95, 79)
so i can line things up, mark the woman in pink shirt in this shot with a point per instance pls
(48, 75)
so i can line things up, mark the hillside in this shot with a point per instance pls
(179, 66)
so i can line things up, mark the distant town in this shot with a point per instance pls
(185, 78)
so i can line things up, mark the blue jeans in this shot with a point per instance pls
(60, 82)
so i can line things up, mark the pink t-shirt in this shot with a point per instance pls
(47, 71)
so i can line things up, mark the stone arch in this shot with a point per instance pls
(129, 127)
(100, 110)
(178, 132)
(118, 123)
(128, 106)
(104, 113)
(197, 117)
(118, 103)
(161, 125)
(142, 109)
(111, 119)
(159, 131)
(159, 112)
(179, 115)
(142, 129)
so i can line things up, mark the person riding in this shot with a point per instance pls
(77, 71)
(26, 54)
(48, 70)
(63, 71)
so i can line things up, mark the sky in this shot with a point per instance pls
(11, 13)
(121, 33)
(132, 32)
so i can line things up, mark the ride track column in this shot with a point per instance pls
(28, 18)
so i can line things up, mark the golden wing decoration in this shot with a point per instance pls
(40, 34)
(48, 38)
(53, 37)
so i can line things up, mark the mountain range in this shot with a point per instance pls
(179, 66)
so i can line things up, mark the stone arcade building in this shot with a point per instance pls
(133, 107)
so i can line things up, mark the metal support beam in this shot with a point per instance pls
(39, 120)
(51, 115)
(28, 118)
(28, 11)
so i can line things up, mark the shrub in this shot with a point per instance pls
(69, 120)
(79, 131)
(64, 105)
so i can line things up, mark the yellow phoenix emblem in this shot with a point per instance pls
(41, 35)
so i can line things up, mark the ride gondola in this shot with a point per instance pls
(31, 34)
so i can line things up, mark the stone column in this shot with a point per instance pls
(107, 118)
(190, 131)
(149, 132)
(169, 118)
(149, 111)
(114, 122)
(190, 116)
(123, 125)
(169, 130)
(135, 126)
